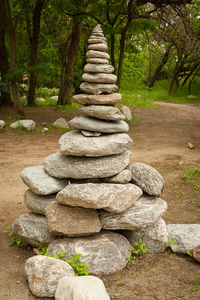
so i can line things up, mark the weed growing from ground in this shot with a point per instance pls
(14, 238)
(170, 243)
(137, 251)
(192, 176)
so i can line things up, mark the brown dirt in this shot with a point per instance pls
(160, 139)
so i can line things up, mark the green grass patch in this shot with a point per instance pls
(192, 176)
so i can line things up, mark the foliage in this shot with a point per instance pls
(170, 243)
(79, 268)
(14, 238)
(192, 176)
(137, 251)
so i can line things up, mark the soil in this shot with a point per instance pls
(161, 136)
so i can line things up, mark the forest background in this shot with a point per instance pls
(154, 47)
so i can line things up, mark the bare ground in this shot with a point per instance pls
(161, 139)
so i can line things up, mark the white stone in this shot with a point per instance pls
(96, 41)
(123, 177)
(102, 38)
(192, 97)
(97, 54)
(126, 112)
(147, 178)
(108, 196)
(98, 125)
(61, 122)
(146, 211)
(110, 99)
(98, 68)
(26, 124)
(43, 274)
(97, 61)
(65, 166)
(39, 181)
(104, 112)
(2, 124)
(185, 236)
(99, 78)
(54, 98)
(98, 88)
(74, 143)
(99, 47)
(40, 99)
(33, 229)
(155, 236)
(81, 288)
(105, 252)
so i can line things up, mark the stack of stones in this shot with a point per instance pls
(89, 191)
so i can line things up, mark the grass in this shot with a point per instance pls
(192, 176)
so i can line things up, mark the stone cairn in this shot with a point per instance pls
(90, 189)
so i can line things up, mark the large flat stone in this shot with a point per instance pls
(37, 203)
(110, 99)
(64, 220)
(98, 88)
(81, 287)
(99, 78)
(97, 61)
(40, 182)
(44, 272)
(76, 144)
(105, 252)
(102, 38)
(98, 68)
(96, 41)
(146, 211)
(155, 236)
(147, 178)
(24, 124)
(186, 237)
(98, 125)
(99, 47)
(104, 112)
(97, 54)
(65, 166)
(32, 229)
(111, 197)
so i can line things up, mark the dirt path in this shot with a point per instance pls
(160, 139)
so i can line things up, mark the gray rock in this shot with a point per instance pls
(2, 124)
(40, 99)
(110, 99)
(65, 166)
(123, 177)
(97, 33)
(74, 143)
(126, 112)
(146, 211)
(25, 124)
(196, 253)
(102, 112)
(97, 54)
(43, 274)
(98, 68)
(155, 236)
(192, 97)
(186, 237)
(102, 38)
(97, 61)
(105, 252)
(111, 197)
(98, 88)
(90, 133)
(99, 78)
(61, 122)
(147, 178)
(39, 181)
(81, 287)
(32, 229)
(64, 220)
(99, 47)
(96, 41)
(37, 203)
(54, 98)
(98, 125)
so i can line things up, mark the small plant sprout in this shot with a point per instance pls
(189, 253)
(14, 238)
(170, 243)
(137, 251)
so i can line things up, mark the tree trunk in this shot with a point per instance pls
(34, 46)
(112, 50)
(121, 56)
(152, 79)
(174, 76)
(67, 78)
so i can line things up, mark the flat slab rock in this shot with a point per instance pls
(102, 112)
(81, 287)
(99, 47)
(111, 197)
(105, 252)
(186, 237)
(43, 274)
(98, 88)
(27, 124)
(64, 220)
(97, 125)
(99, 77)
(76, 144)
(146, 211)
(33, 229)
(37, 203)
(99, 68)
(66, 166)
(155, 236)
(40, 182)
(146, 177)
(95, 40)
(110, 99)
(97, 61)
(97, 54)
